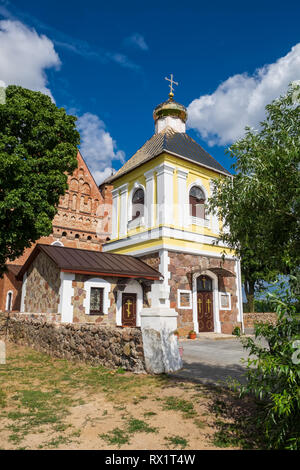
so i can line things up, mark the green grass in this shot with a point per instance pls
(37, 394)
(148, 414)
(116, 437)
(2, 399)
(39, 391)
(178, 404)
(177, 442)
(119, 437)
(137, 425)
(200, 424)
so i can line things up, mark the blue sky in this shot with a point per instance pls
(106, 63)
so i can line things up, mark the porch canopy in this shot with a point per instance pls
(222, 272)
(75, 260)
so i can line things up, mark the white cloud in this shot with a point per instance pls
(221, 117)
(24, 56)
(136, 40)
(97, 146)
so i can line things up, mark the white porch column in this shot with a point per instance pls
(149, 202)
(123, 210)
(160, 290)
(66, 292)
(182, 197)
(165, 191)
(115, 207)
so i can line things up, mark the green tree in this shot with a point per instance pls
(38, 148)
(273, 375)
(260, 205)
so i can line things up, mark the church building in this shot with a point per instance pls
(160, 216)
(157, 254)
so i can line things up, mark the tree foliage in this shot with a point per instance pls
(260, 205)
(273, 375)
(38, 148)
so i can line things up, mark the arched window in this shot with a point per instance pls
(57, 243)
(138, 204)
(197, 202)
(9, 297)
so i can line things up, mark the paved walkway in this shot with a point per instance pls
(211, 360)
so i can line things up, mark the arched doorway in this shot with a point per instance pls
(205, 303)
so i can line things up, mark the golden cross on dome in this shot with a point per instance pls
(171, 94)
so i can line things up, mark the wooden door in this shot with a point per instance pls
(129, 310)
(205, 311)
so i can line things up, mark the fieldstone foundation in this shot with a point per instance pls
(109, 346)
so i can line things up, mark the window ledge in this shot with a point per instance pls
(139, 221)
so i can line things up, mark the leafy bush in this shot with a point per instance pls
(273, 376)
(236, 331)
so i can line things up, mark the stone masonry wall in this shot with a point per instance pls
(79, 313)
(182, 267)
(42, 286)
(109, 346)
(117, 285)
(251, 318)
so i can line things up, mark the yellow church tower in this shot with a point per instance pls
(159, 214)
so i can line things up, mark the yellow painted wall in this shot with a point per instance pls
(174, 244)
(195, 172)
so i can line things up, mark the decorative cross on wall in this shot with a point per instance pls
(128, 304)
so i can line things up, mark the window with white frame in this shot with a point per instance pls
(97, 296)
(184, 298)
(96, 301)
(197, 202)
(138, 201)
(225, 301)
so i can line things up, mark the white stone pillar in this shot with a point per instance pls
(160, 290)
(149, 199)
(115, 207)
(160, 344)
(165, 199)
(123, 210)
(183, 210)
